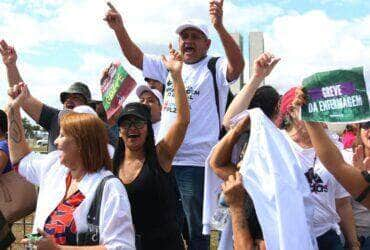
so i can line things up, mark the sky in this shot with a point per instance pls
(63, 41)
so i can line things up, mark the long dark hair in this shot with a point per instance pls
(151, 160)
(149, 150)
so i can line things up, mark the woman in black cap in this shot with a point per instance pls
(145, 167)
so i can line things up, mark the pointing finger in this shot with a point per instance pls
(111, 6)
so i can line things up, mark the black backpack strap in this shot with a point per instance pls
(366, 192)
(94, 212)
(212, 67)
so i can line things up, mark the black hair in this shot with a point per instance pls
(266, 98)
(3, 122)
(151, 158)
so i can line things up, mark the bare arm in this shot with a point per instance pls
(30, 105)
(350, 178)
(233, 53)
(235, 198)
(9, 57)
(3, 161)
(18, 147)
(330, 156)
(168, 147)
(130, 50)
(220, 160)
(347, 222)
(263, 66)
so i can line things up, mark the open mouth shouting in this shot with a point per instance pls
(188, 49)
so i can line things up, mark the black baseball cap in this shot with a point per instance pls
(137, 109)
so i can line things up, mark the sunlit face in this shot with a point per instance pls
(69, 151)
(133, 132)
(74, 100)
(365, 134)
(193, 45)
(149, 99)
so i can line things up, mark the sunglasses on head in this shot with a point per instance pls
(365, 125)
(137, 123)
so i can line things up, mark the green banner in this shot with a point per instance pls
(337, 96)
(116, 86)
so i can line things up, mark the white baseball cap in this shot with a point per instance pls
(143, 88)
(195, 25)
(84, 109)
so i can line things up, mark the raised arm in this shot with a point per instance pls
(349, 177)
(9, 56)
(18, 147)
(233, 53)
(30, 105)
(220, 160)
(131, 51)
(168, 147)
(263, 66)
(235, 197)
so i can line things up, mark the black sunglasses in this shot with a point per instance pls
(138, 124)
(365, 125)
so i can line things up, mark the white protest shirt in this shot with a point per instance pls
(156, 127)
(203, 130)
(324, 189)
(212, 190)
(277, 186)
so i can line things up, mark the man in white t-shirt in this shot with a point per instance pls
(204, 127)
(154, 99)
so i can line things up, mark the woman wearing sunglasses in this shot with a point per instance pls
(145, 167)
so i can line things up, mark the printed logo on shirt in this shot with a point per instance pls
(315, 181)
(169, 104)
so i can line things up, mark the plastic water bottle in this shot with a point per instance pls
(221, 215)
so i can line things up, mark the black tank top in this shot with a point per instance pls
(153, 201)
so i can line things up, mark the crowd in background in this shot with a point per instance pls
(138, 179)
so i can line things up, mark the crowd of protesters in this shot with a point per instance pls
(137, 180)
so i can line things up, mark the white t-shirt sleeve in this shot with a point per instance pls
(154, 68)
(116, 231)
(221, 71)
(340, 192)
(33, 166)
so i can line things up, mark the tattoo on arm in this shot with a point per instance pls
(15, 134)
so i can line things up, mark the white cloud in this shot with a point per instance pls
(307, 42)
(313, 42)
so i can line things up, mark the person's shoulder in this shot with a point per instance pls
(113, 185)
(4, 145)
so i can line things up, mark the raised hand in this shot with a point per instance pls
(300, 97)
(18, 93)
(174, 61)
(8, 53)
(216, 12)
(234, 191)
(264, 64)
(359, 161)
(113, 18)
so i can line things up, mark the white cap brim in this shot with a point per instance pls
(193, 26)
(143, 88)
